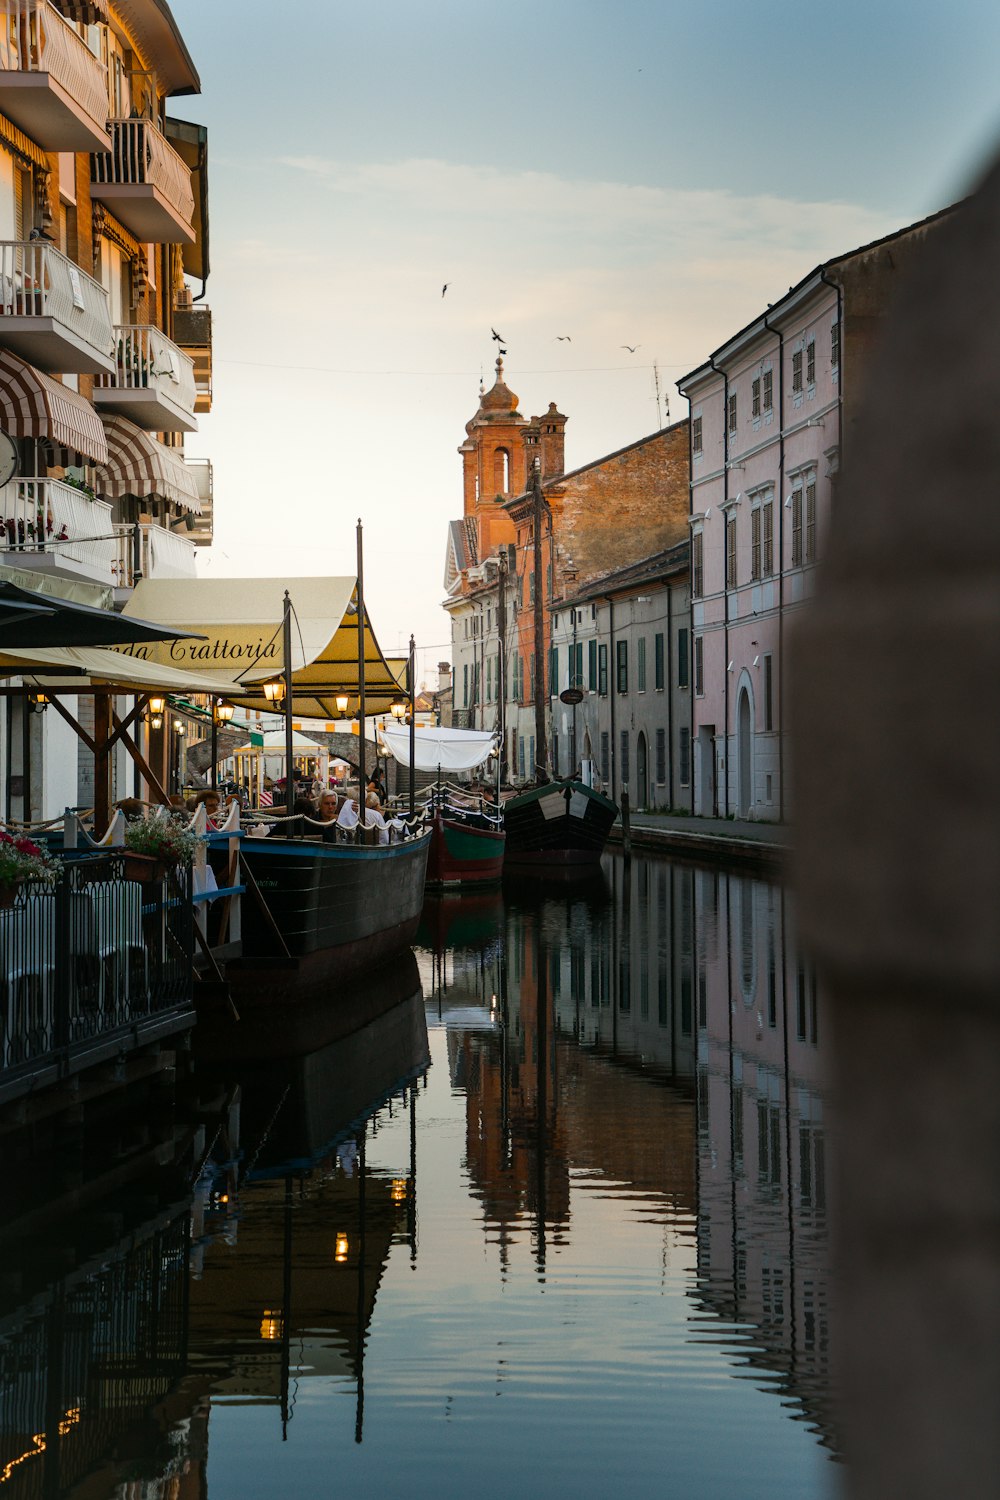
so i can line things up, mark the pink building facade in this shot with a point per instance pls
(771, 412)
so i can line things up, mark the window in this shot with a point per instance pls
(658, 662)
(797, 372)
(623, 772)
(555, 755)
(531, 587)
(640, 664)
(489, 679)
(755, 398)
(755, 542)
(811, 362)
(684, 756)
(797, 528)
(696, 447)
(731, 552)
(682, 658)
(699, 665)
(661, 756)
(621, 666)
(768, 379)
(592, 666)
(531, 755)
(811, 519)
(767, 520)
(520, 756)
(768, 693)
(697, 565)
(548, 581)
(604, 769)
(518, 676)
(554, 670)
(732, 413)
(475, 683)
(576, 666)
(465, 686)
(835, 345)
(602, 670)
(531, 682)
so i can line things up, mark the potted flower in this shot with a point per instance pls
(22, 860)
(154, 845)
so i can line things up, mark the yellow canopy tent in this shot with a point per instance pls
(78, 669)
(241, 620)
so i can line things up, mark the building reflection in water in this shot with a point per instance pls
(658, 1029)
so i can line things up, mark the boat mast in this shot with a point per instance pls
(286, 651)
(362, 780)
(541, 754)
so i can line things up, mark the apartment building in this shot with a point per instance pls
(105, 342)
(771, 415)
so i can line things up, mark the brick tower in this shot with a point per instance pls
(493, 464)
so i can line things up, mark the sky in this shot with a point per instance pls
(626, 173)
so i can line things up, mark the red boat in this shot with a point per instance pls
(467, 847)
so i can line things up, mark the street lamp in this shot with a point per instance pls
(398, 709)
(224, 711)
(341, 701)
(37, 703)
(274, 691)
(157, 705)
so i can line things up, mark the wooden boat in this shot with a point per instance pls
(467, 841)
(467, 847)
(324, 914)
(558, 829)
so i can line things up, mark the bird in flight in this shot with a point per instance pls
(445, 287)
(499, 337)
(562, 338)
(630, 347)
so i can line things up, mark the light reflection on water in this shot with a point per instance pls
(555, 1223)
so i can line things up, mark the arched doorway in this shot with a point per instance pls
(641, 777)
(744, 752)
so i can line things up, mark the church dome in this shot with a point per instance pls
(498, 404)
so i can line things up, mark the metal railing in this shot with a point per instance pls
(147, 360)
(49, 515)
(35, 38)
(38, 281)
(140, 155)
(90, 956)
(150, 551)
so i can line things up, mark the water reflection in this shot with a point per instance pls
(576, 1160)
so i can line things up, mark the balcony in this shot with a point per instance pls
(54, 527)
(193, 332)
(202, 530)
(51, 84)
(145, 182)
(153, 383)
(53, 314)
(150, 551)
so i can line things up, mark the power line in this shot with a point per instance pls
(257, 364)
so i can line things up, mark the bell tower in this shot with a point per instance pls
(493, 464)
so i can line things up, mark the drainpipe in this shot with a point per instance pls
(725, 585)
(669, 689)
(611, 688)
(781, 562)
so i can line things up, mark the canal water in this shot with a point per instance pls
(553, 1224)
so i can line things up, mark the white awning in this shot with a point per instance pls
(77, 668)
(241, 620)
(444, 749)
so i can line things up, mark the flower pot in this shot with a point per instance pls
(8, 892)
(144, 867)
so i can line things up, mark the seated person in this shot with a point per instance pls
(212, 802)
(348, 814)
(325, 811)
(374, 818)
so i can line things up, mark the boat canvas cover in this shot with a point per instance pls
(447, 749)
(241, 622)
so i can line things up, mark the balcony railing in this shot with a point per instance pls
(153, 381)
(149, 551)
(193, 332)
(61, 522)
(203, 524)
(146, 182)
(54, 314)
(51, 84)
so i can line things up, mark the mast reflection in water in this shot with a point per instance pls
(553, 1223)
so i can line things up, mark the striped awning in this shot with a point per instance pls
(33, 405)
(90, 12)
(139, 465)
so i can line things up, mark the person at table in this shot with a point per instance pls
(326, 810)
(211, 800)
(374, 818)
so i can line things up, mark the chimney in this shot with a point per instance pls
(552, 438)
(444, 676)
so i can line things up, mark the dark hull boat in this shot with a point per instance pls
(327, 914)
(557, 830)
(465, 850)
